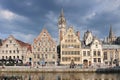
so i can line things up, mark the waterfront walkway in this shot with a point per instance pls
(57, 69)
(44, 69)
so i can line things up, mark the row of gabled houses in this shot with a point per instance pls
(44, 50)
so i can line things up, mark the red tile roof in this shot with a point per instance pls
(23, 44)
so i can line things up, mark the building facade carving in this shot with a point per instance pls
(89, 51)
(44, 49)
(13, 49)
(70, 48)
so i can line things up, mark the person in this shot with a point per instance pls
(3, 66)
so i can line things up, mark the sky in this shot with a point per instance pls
(24, 19)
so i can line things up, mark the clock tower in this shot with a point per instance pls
(61, 25)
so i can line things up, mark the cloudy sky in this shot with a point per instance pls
(24, 19)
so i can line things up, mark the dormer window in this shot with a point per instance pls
(44, 34)
(96, 45)
(10, 41)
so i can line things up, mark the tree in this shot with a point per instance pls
(117, 40)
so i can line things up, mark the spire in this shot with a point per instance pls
(110, 32)
(62, 18)
(62, 13)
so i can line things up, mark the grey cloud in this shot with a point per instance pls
(94, 15)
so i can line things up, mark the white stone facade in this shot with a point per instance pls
(44, 49)
(70, 48)
(13, 49)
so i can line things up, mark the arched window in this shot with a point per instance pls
(98, 53)
(6, 45)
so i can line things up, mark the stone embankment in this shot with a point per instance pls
(108, 70)
(44, 69)
(57, 69)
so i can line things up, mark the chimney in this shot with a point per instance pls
(78, 34)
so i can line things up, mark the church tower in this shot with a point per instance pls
(111, 37)
(111, 32)
(61, 25)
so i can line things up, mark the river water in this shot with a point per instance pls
(59, 76)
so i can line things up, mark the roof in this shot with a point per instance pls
(110, 46)
(22, 44)
(29, 48)
(0, 42)
(48, 36)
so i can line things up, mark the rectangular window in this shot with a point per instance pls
(73, 53)
(34, 55)
(62, 52)
(105, 55)
(6, 57)
(3, 51)
(18, 57)
(84, 53)
(88, 52)
(46, 49)
(95, 60)
(74, 40)
(13, 57)
(53, 56)
(2, 57)
(98, 53)
(38, 49)
(6, 45)
(46, 56)
(10, 41)
(65, 40)
(14, 44)
(49, 49)
(62, 46)
(94, 53)
(99, 59)
(63, 59)
(17, 51)
(38, 56)
(42, 56)
(66, 52)
(53, 49)
(13, 51)
(10, 51)
(22, 57)
(6, 51)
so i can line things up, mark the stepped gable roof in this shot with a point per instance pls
(21, 43)
(39, 37)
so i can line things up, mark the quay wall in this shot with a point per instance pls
(59, 70)
(29, 70)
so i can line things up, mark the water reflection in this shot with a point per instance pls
(58, 76)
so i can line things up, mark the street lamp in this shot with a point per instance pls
(111, 58)
(117, 57)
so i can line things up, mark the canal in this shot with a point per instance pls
(59, 76)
